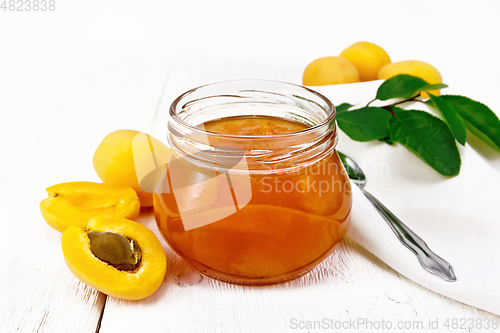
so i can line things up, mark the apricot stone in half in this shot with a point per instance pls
(116, 256)
(75, 203)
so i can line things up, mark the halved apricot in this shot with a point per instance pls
(116, 256)
(75, 203)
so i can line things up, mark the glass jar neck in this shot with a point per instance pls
(263, 153)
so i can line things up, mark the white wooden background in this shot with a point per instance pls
(69, 77)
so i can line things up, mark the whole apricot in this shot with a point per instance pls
(127, 157)
(413, 67)
(330, 70)
(116, 256)
(75, 203)
(368, 58)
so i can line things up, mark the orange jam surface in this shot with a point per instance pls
(292, 221)
(254, 126)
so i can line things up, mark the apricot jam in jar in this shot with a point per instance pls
(254, 192)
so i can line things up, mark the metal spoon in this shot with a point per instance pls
(428, 259)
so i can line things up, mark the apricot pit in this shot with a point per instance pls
(120, 252)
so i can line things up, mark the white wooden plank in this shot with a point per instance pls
(70, 107)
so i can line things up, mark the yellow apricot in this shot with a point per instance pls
(75, 203)
(329, 70)
(368, 58)
(413, 67)
(84, 258)
(126, 157)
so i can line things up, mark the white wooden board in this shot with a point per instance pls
(69, 77)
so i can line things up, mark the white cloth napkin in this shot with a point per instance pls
(459, 218)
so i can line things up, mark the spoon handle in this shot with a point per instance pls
(427, 258)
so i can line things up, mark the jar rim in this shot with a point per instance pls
(327, 121)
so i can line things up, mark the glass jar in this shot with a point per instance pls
(252, 209)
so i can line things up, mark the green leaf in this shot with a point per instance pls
(404, 86)
(429, 138)
(387, 140)
(343, 107)
(365, 124)
(452, 117)
(397, 110)
(433, 87)
(479, 119)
